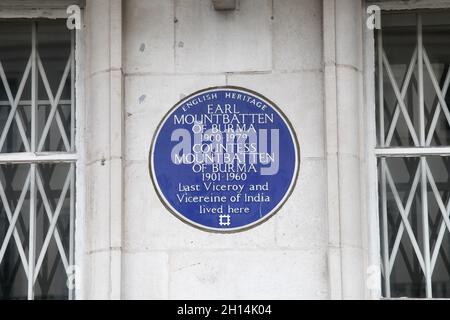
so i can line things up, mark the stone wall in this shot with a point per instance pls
(173, 48)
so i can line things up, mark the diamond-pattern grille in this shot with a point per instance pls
(414, 159)
(37, 160)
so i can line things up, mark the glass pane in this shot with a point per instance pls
(439, 234)
(13, 279)
(436, 37)
(407, 276)
(54, 47)
(54, 248)
(399, 36)
(51, 281)
(54, 114)
(399, 43)
(15, 49)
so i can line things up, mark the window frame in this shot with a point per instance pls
(31, 10)
(369, 144)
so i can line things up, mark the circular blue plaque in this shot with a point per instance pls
(224, 159)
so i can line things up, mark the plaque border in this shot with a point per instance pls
(255, 224)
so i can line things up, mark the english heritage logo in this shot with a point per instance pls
(224, 159)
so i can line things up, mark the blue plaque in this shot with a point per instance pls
(224, 159)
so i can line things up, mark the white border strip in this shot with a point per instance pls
(30, 157)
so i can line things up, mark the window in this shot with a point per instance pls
(413, 125)
(37, 159)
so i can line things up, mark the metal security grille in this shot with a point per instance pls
(413, 56)
(37, 159)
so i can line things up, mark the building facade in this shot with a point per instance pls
(85, 84)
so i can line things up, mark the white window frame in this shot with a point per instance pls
(371, 150)
(29, 9)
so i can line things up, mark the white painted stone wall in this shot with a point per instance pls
(172, 48)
